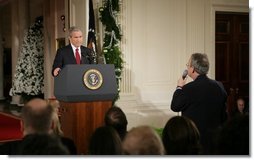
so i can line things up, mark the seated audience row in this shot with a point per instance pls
(180, 136)
(141, 140)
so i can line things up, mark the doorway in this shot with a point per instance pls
(232, 55)
(7, 63)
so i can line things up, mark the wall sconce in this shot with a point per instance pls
(63, 22)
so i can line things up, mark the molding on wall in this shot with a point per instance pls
(126, 47)
(78, 10)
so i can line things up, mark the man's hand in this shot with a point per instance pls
(56, 71)
(181, 82)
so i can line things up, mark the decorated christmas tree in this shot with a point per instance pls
(29, 76)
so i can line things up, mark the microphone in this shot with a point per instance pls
(185, 73)
(92, 57)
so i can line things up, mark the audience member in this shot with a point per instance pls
(142, 140)
(116, 118)
(36, 119)
(55, 116)
(203, 100)
(57, 128)
(233, 137)
(105, 141)
(240, 107)
(180, 136)
(42, 144)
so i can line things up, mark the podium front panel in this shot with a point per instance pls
(69, 84)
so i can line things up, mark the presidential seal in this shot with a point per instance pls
(93, 79)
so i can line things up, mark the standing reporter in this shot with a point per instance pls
(203, 100)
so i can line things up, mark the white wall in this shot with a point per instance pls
(78, 10)
(159, 37)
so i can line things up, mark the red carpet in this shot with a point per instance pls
(10, 127)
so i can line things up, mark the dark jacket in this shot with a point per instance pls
(66, 56)
(10, 148)
(204, 102)
(70, 145)
(13, 147)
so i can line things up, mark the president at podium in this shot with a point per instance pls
(74, 53)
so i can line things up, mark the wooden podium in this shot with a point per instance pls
(85, 93)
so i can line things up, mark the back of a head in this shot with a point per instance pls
(42, 144)
(105, 141)
(143, 140)
(180, 136)
(233, 137)
(116, 118)
(37, 116)
(200, 63)
(55, 117)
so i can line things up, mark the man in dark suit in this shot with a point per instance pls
(74, 53)
(37, 117)
(203, 100)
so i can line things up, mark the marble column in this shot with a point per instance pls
(20, 21)
(14, 43)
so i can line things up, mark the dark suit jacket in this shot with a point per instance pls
(204, 102)
(13, 147)
(66, 56)
(10, 148)
(69, 144)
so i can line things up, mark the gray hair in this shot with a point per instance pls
(200, 63)
(143, 140)
(74, 29)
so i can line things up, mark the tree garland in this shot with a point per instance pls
(111, 49)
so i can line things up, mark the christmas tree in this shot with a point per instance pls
(29, 76)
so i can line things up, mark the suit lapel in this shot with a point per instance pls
(83, 56)
(71, 55)
(84, 59)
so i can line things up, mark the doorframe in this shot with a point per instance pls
(225, 7)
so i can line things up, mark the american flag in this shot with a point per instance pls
(91, 40)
